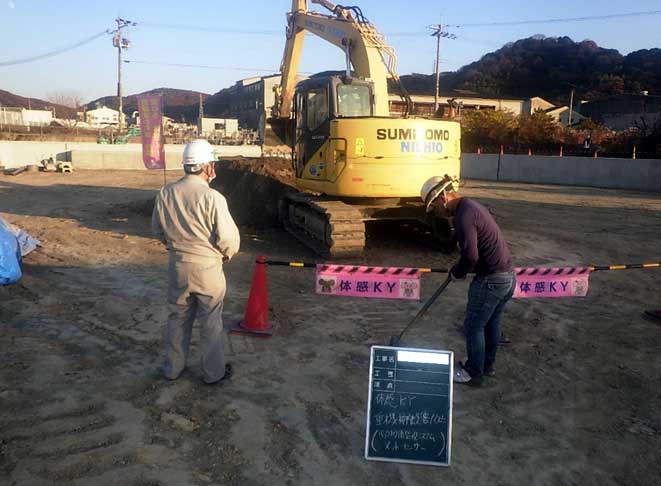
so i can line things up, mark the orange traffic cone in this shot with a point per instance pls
(256, 318)
(561, 150)
(529, 152)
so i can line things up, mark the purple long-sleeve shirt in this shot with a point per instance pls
(483, 247)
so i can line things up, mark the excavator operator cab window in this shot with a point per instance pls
(317, 108)
(354, 100)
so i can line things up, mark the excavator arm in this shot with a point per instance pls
(346, 28)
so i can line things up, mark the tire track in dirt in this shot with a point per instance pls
(73, 435)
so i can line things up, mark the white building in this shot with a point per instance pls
(424, 104)
(535, 103)
(219, 127)
(103, 117)
(24, 117)
(168, 123)
(560, 115)
(36, 118)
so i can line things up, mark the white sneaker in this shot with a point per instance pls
(461, 375)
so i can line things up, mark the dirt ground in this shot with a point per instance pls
(575, 401)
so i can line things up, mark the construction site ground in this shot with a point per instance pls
(575, 400)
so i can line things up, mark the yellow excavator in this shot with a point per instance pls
(356, 162)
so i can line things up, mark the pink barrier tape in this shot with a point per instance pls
(532, 283)
(371, 282)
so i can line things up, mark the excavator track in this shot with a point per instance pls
(331, 228)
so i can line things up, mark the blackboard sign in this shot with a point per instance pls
(409, 410)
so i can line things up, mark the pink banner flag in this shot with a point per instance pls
(532, 283)
(375, 282)
(151, 129)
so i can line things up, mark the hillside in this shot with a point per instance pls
(179, 104)
(537, 66)
(16, 101)
(548, 67)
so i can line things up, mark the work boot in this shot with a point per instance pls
(226, 376)
(488, 370)
(653, 315)
(504, 340)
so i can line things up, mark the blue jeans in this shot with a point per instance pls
(487, 297)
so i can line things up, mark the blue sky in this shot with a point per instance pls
(32, 27)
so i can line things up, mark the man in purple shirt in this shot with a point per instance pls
(484, 252)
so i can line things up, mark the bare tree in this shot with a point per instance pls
(68, 99)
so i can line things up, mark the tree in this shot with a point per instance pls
(487, 128)
(66, 99)
(611, 84)
(537, 130)
(598, 133)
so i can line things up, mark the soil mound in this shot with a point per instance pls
(253, 188)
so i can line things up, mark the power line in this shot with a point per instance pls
(278, 33)
(201, 66)
(562, 19)
(202, 28)
(223, 30)
(55, 52)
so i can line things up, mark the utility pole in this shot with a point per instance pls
(571, 106)
(438, 32)
(200, 115)
(120, 43)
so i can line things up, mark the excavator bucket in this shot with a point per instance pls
(279, 132)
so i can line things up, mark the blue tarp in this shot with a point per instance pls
(26, 242)
(10, 257)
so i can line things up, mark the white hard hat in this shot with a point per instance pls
(435, 186)
(198, 152)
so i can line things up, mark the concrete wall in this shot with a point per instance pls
(95, 156)
(639, 175)
(482, 167)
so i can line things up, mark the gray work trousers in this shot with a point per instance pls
(195, 290)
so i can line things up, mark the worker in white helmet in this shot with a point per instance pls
(193, 220)
(485, 253)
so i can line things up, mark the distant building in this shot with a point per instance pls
(560, 115)
(218, 127)
(103, 117)
(25, 117)
(423, 105)
(535, 103)
(623, 111)
(168, 123)
(249, 100)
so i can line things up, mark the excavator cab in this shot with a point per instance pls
(317, 102)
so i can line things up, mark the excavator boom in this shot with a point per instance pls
(362, 43)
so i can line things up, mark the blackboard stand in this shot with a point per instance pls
(409, 409)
